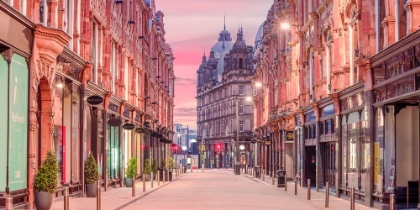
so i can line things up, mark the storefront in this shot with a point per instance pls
(396, 88)
(113, 144)
(327, 145)
(14, 126)
(355, 144)
(67, 132)
(309, 157)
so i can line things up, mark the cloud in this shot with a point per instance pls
(185, 81)
(185, 111)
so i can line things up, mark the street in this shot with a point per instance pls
(213, 189)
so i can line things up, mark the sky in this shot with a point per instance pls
(192, 27)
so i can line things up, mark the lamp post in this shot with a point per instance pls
(184, 149)
(237, 164)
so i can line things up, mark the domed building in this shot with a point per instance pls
(223, 83)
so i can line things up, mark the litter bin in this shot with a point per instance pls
(281, 174)
(237, 169)
(184, 169)
(257, 171)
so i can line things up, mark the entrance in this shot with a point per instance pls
(406, 155)
(328, 164)
(310, 165)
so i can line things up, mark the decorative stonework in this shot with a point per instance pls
(98, 8)
(116, 22)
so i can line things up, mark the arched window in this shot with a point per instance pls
(240, 63)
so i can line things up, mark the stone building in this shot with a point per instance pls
(74, 75)
(223, 82)
(340, 96)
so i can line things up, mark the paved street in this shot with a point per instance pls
(213, 189)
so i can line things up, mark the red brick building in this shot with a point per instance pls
(56, 55)
(339, 96)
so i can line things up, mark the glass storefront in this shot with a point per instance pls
(66, 129)
(114, 152)
(355, 150)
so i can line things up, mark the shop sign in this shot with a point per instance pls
(94, 100)
(114, 122)
(18, 123)
(289, 136)
(253, 141)
(128, 126)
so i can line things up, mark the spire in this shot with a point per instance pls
(224, 22)
(204, 58)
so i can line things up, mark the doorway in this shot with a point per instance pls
(310, 165)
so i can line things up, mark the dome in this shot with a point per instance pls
(212, 61)
(259, 36)
(224, 41)
(147, 2)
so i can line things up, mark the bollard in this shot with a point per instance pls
(263, 175)
(66, 198)
(98, 197)
(151, 180)
(158, 177)
(309, 189)
(9, 203)
(296, 187)
(352, 198)
(144, 183)
(164, 176)
(274, 179)
(392, 202)
(202, 167)
(327, 195)
(285, 183)
(133, 187)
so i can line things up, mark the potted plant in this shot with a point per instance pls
(154, 168)
(147, 170)
(130, 172)
(162, 168)
(46, 182)
(171, 167)
(91, 176)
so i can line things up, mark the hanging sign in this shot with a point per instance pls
(114, 122)
(94, 100)
(128, 126)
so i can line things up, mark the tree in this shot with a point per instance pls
(46, 178)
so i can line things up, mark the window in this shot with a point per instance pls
(241, 89)
(43, 10)
(112, 67)
(94, 50)
(240, 63)
(241, 108)
(241, 126)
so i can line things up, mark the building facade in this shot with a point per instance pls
(339, 100)
(223, 82)
(75, 75)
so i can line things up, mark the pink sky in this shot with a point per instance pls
(192, 28)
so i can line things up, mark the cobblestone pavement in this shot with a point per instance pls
(213, 189)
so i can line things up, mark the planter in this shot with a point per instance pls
(146, 177)
(91, 190)
(43, 200)
(128, 182)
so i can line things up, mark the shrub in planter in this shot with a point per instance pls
(147, 169)
(91, 176)
(171, 164)
(130, 172)
(46, 182)
(154, 167)
(162, 168)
